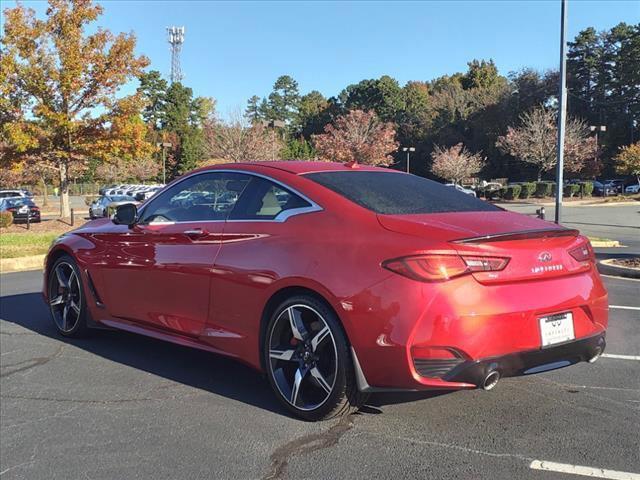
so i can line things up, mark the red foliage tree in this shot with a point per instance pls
(357, 137)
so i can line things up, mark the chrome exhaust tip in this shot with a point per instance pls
(491, 380)
(596, 354)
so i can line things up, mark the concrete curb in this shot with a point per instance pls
(577, 203)
(605, 244)
(606, 267)
(21, 264)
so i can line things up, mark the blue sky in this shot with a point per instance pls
(236, 49)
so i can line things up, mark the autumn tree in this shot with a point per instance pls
(455, 163)
(535, 141)
(239, 141)
(358, 137)
(59, 86)
(628, 160)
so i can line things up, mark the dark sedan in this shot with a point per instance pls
(23, 209)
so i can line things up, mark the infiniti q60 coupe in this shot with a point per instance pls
(335, 281)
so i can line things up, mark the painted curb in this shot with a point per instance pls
(21, 264)
(603, 244)
(607, 268)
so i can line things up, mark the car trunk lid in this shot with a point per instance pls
(536, 249)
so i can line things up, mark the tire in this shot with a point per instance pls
(308, 362)
(67, 299)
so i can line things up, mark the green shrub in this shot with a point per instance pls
(587, 188)
(512, 192)
(528, 189)
(6, 219)
(570, 190)
(543, 189)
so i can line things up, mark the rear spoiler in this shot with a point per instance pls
(522, 235)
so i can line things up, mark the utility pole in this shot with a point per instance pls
(175, 36)
(562, 109)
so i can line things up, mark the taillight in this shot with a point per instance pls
(434, 267)
(583, 253)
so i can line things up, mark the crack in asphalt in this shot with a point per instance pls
(78, 400)
(312, 442)
(31, 363)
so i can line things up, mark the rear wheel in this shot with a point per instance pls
(308, 362)
(66, 298)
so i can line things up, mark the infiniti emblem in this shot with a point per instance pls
(545, 257)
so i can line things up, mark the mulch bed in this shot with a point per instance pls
(633, 262)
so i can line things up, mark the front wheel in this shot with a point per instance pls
(67, 302)
(308, 362)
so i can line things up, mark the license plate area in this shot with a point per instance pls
(557, 328)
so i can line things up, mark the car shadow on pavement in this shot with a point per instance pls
(188, 366)
(199, 369)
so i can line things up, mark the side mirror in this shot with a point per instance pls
(139, 197)
(126, 214)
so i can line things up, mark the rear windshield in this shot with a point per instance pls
(392, 193)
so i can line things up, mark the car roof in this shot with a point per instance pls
(297, 167)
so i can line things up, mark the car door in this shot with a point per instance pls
(257, 249)
(159, 273)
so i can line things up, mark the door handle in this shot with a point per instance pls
(196, 233)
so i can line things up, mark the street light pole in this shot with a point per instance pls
(164, 146)
(408, 150)
(562, 109)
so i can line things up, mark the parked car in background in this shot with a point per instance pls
(604, 189)
(618, 185)
(22, 208)
(15, 193)
(100, 207)
(633, 188)
(462, 189)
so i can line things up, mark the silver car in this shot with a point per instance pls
(102, 205)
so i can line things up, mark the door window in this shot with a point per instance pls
(202, 197)
(265, 200)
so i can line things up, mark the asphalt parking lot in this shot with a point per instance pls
(116, 405)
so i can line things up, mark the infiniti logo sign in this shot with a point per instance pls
(545, 257)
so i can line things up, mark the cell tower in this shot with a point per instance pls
(175, 36)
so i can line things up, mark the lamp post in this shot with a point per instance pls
(408, 150)
(597, 129)
(562, 109)
(164, 146)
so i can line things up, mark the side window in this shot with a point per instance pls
(265, 200)
(202, 197)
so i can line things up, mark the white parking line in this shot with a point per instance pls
(623, 307)
(621, 357)
(584, 471)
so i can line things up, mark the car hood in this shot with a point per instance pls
(462, 225)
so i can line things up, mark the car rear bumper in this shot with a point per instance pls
(482, 329)
(22, 217)
(529, 362)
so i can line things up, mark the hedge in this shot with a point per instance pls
(6, 219)
(571, 189)
(528, 189)
(512, 192)
(544, 189)
(587, 188)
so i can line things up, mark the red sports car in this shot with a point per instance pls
(336, 281)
